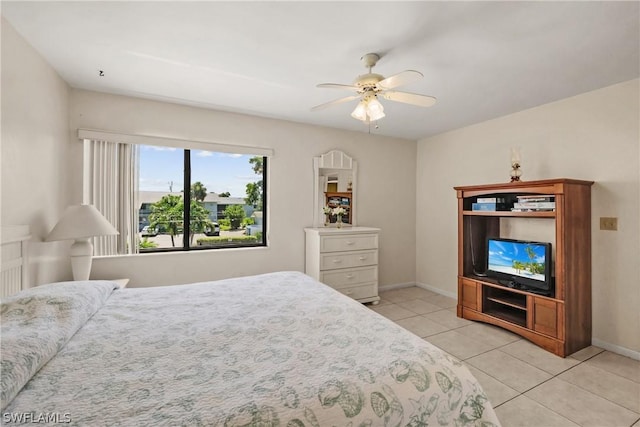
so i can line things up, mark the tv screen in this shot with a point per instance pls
(526, 264)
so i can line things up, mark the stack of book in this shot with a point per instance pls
(490, 204)
(535, 203)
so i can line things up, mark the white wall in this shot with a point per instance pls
(386, 187)
(594, 136)
(35, 132)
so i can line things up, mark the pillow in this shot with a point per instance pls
(36, 323)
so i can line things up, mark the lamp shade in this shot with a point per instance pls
(81, 222)
(360, 111)
(375, 110)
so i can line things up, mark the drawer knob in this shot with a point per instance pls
(337, 261)
(350, 243)
(350, 276)
(362, 258)
(349, 292)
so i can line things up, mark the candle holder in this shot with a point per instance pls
(515, 172)
(515, 165)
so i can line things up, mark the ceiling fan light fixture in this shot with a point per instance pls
(375, 110)
(369, 86)
(360, 112)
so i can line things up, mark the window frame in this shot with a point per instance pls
(186, 231)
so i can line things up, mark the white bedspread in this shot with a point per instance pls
(277, 349)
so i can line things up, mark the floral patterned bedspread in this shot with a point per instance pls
(277, 349)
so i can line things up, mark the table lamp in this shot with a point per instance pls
(81, 223)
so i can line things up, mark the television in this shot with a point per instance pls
(520, 264)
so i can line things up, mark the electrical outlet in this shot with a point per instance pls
(608, 223)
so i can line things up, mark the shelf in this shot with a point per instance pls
(516, 316)
(542, 214)
(511, 302)
(494, 284)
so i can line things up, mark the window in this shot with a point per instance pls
(140, 184)
(226, 194)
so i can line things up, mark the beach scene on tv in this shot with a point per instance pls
(517, 259)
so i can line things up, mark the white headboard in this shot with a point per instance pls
(13, 256)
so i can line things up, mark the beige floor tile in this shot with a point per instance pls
(497, 392)
(443, 301)
(523, 411)
(581, 406)
(586, 353)
(395, 296)
(419, 306)
(416, 292)
(393, 311)
(538, 357)
(448, 318)
(490, 334)
(507, 369)
(421, 326)
(617, 364)
(459, 345)
(613, 387)
(637, 423)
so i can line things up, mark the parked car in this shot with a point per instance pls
(148, 231)
(213, 229)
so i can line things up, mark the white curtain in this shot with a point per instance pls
(111, 185)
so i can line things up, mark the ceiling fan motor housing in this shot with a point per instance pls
(368, 80)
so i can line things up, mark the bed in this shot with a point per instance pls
(278, 349)
(273, 349)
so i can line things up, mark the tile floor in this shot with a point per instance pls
(527, 386)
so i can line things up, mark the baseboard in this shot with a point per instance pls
(419, 285)
(616, 349)
(395, 286)
(453, 295)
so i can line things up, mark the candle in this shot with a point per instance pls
(515, 155)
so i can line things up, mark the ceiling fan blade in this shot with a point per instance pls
(402, 78)
(339, 86)
(335, 102)
(409, 98)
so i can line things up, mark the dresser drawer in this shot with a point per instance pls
(350, 242)
(368, 290)
(331, 261)
(349, 276)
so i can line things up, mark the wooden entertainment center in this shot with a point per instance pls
(559, 323)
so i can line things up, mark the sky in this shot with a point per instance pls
(219, 172)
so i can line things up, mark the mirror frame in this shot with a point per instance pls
(334, 160)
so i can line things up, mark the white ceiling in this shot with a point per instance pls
(480, 59)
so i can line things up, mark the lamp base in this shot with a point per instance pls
(81, 257)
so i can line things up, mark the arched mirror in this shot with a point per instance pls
(334, 190)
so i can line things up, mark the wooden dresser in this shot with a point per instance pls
(345, 259)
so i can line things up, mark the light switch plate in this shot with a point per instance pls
(608, 223)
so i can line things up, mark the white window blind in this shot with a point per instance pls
(110, 184)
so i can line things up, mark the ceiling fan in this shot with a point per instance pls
(368, 87)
